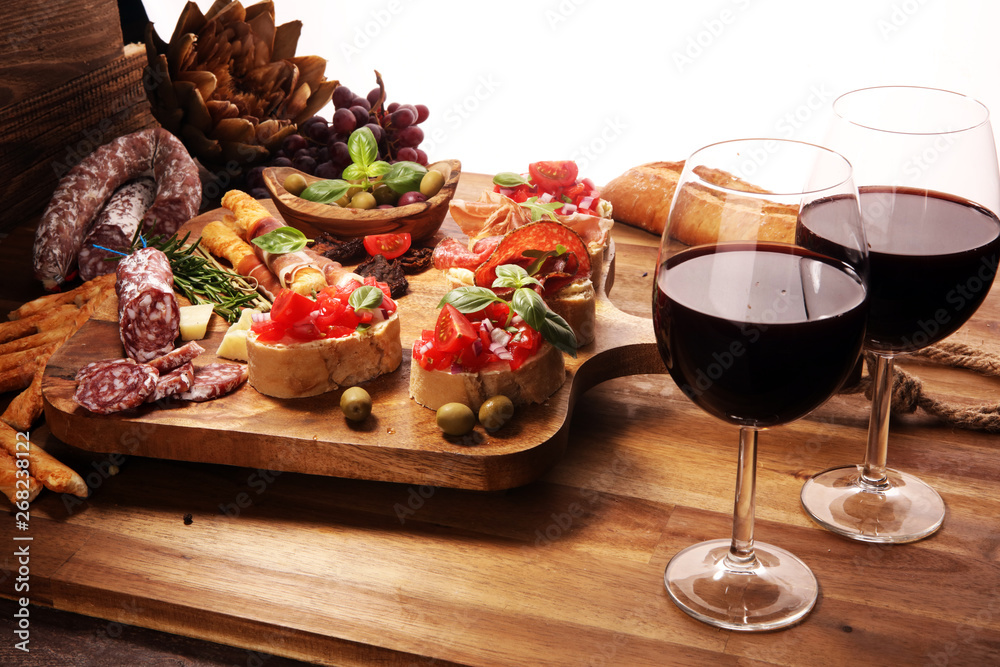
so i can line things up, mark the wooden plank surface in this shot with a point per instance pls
(566, 570)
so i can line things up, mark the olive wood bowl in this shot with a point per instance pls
(421, 220)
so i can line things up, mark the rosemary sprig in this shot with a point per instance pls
(201, 279)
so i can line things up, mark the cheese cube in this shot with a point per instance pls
(234, 344)
(194, 321)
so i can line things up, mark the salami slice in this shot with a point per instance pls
(177, 358)
(114, 385)
(175, 382)
(148, 313)
(556, 271)
(452, 253)
(115, 227)
(214, 380)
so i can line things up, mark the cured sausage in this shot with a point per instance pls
(115, 227)
(148, 314)
(82, 193)
(175, 382)
(214, 380)
(177, 358)
(452, 253)
(526, 244)
(114, 385)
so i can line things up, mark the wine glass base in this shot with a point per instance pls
(905, 510)
(776, 591)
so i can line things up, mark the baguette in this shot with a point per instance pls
(642, 197)
(9, 480)
(53, 474)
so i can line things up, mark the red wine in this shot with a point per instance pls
(932, 260)
(758, 334)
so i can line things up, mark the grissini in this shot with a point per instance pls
(78, 295)
(38, 322)
(10, 483)
(53, 474)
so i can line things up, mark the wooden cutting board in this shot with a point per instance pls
(400, 442)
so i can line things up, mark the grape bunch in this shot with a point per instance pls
(319, 147)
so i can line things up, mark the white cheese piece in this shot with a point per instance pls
(246, 320)
(194, 321)
(234, 344)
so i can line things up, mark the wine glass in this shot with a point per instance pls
(926, 168)
(740, 309)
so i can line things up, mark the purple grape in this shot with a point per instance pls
(413, 197)
(342, 97)
(376, 131)
(327, 170)
(411, 136)
(281, 161)
(406, 154)
(422, 112)
(373, 96)
(360, 115)
(344, 121)
(292, 143)
(260, 193)
(306, 163)
(339, 155)
(421, 157)
(403, 117)
(318, 131)
(362, 102)
(392, 107)
(255, 178)
(302, 152)
(322, 154)
(385, 206)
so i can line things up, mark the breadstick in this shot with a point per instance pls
(79, 295)
(20, 377)
(38, 340)
(40, 321)
(27, 407)
(15, 360)
(44, 467)
(9, 480)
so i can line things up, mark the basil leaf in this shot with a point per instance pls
(539, 210)
(513, 276)
(326, 192)
(282, 240)
(378, 168)
(404, 177)
(355, 172)
(362, 147)
(532, 309)
(557, 331)
(508, 179)
(366, 297)
(469, 299)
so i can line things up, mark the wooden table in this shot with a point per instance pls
(563, 571)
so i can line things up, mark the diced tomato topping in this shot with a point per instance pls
(297, 318)
(289, 307)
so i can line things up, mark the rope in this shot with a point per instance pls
(908, 393)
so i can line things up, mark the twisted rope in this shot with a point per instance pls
(908, 393)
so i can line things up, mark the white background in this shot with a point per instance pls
(615, 83)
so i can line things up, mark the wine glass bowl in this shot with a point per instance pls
(739, 307)
(926, 169)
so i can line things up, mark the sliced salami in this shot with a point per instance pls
(214, 380)
(452, 253)
(148, 313)
(525, 245)
(114, 385)
(177, 358)
(175, 382)
(115, 227)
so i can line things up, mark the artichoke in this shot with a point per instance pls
(229, 85)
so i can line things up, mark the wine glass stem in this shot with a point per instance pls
(873, 476)
(741, 553)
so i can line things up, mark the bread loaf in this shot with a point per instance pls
(642, 197)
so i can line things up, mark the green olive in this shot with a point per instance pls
(385, 195)
(431, 183)
(295, 184)
(356, 404)
(455, 418)
(363, 200)
(495, 412)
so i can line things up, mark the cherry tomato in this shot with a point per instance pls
(453, 331)
(289, 307)
(551, 175)
(389, 246)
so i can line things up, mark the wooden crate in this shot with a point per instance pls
(67, 85)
